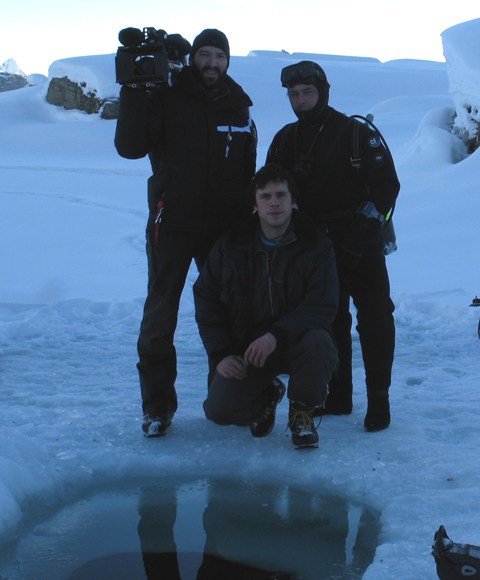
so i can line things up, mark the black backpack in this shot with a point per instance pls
(388, 232)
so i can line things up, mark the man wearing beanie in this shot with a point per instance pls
(201, 143)
(210, 44)
(348, 184)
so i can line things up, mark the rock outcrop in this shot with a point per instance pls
(70, 95)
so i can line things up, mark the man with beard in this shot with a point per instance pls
(202, 147)
(350, 196)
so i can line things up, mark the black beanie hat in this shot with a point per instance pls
(211, 37)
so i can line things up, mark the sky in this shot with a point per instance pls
(74, 467)
(35, 34)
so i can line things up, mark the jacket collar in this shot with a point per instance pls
(229, 89)
(247, 233)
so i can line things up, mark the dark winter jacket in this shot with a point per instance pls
(202, 147)
(319, 152)
(245, 291)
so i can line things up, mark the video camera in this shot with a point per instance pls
(149, 57)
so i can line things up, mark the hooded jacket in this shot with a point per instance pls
(202, 149)
(245, 291)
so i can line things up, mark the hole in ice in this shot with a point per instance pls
(201, 529)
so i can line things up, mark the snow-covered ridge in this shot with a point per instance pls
(11, 67)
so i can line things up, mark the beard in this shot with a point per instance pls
(210, 76)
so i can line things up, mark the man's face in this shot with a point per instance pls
(274, 205)
(211, 64)
(303, 97)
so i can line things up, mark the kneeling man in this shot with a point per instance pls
(265, 301)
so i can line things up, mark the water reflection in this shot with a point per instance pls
(260, 532)
(215, 529)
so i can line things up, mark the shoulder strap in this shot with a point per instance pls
(355, 159)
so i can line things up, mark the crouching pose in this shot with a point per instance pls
(265, 301)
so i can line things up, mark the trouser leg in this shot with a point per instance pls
(309, 362)
(235, 402)
(375, 322)
(312, 360)
(341, 384)
(376, 329)
(169, 261)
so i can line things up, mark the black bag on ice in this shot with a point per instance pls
(455, 561)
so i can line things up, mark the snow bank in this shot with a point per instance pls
(95, 73)
(461, 47)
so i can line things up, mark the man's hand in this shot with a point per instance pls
(232, 367)
(259, 350)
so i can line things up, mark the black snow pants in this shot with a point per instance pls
(369, 288)
(170, 254)
(310, 363)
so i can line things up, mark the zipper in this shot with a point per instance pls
(269, 282)
(158, 219)
(269, 269)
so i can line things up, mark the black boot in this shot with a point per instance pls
(378, 411)
(263, 425)
(156, 426)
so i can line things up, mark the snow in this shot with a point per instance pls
(10, 67)
(73, 274)
(462, 53)
(97, 72)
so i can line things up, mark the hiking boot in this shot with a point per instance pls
(156, 426)
(304, 432)
(263, 425)
(378, 411)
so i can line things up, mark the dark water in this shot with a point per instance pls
(199, 530)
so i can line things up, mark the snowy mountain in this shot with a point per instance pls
(73, 274)
(11, 77)
(11, 67)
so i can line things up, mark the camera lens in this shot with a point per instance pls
(145, 66)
